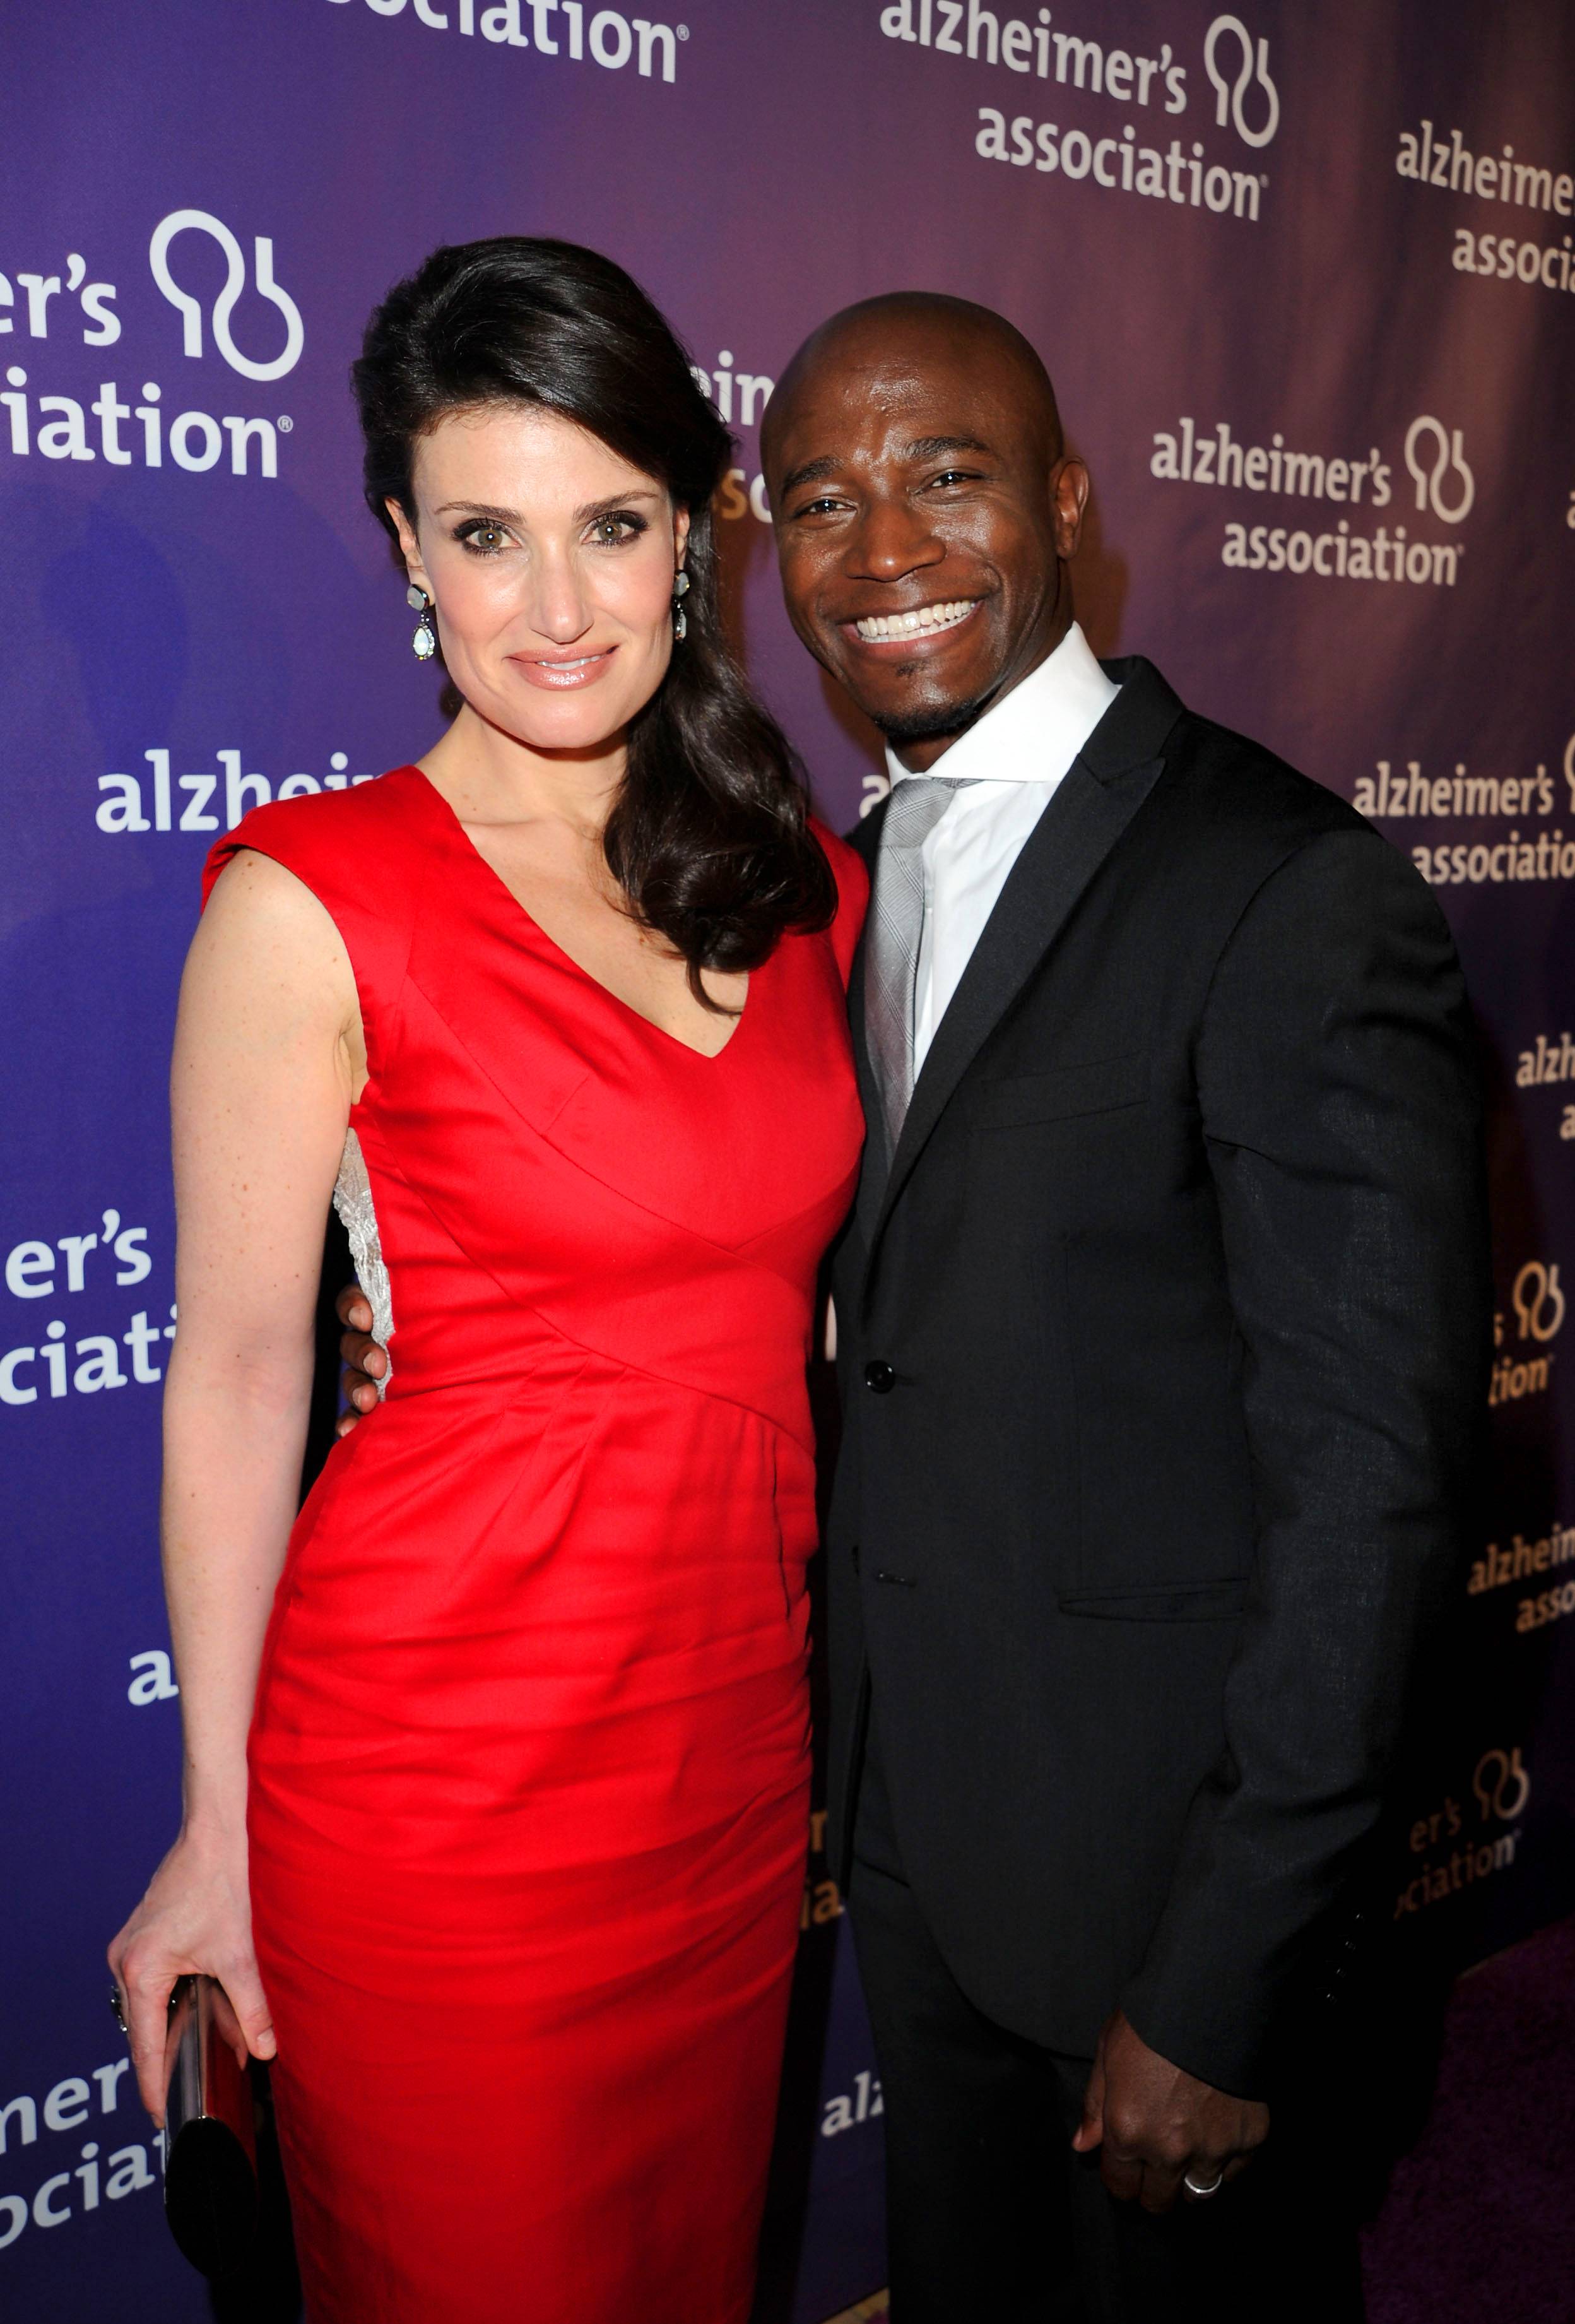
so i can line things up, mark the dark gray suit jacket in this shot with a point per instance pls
(1163, 1346)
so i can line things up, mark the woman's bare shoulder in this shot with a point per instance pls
(266, 945)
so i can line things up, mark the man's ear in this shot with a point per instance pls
(409, 546)
(1069, 498)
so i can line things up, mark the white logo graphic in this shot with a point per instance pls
(1502, 1786)
(1430, 481)
(203, 222)
(1539, 1302)
(1229, 101)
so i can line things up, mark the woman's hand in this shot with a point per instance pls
(196, 1918)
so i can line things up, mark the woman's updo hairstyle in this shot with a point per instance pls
(708, 836)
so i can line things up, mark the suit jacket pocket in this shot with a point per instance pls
(1179, 1601)
(1095, 1088)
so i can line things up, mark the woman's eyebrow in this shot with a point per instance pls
(496, 514)
(616, 501)
(478, 508)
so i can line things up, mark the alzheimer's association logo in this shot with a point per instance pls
(1451, 502)
(1229, 40)
(184, 222)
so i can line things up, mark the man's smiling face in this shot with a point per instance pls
(922, 508)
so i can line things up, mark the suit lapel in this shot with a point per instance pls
(1109, 782)
(1085, 817)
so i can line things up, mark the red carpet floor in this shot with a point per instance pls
(1479, 2225)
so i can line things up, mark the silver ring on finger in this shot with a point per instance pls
(1203, 2193)
(115, 2004)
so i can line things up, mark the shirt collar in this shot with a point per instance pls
(1032, 734)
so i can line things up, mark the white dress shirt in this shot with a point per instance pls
(1012, 760)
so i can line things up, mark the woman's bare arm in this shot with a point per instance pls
(268, 1057)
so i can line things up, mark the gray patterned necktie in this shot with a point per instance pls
(891, 948)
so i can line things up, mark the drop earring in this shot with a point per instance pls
(680, 619)
(424, 644)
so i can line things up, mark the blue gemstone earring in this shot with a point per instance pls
(424, 644)
(680, 620)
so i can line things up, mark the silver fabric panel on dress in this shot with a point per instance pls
(353, 1201)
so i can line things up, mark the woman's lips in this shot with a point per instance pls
(562, 674)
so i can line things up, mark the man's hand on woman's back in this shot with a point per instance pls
(365, 1362)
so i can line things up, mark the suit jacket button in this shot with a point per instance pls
(879, 1377)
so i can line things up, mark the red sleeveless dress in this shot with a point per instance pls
(529, 1758)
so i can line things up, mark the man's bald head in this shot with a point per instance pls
(911, 332)
(925, 509)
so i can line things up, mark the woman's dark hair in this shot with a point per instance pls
(708, 835)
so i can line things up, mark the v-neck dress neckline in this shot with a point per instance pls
(450, 816)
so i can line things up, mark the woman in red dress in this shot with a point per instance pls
(556, 1015)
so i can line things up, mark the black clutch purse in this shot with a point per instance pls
(210, 2137)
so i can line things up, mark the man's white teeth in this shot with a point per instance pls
(916, 625)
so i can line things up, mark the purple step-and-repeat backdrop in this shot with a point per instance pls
(1305, 277)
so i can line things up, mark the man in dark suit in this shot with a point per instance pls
(1163, 1327)
(1163, 1323)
